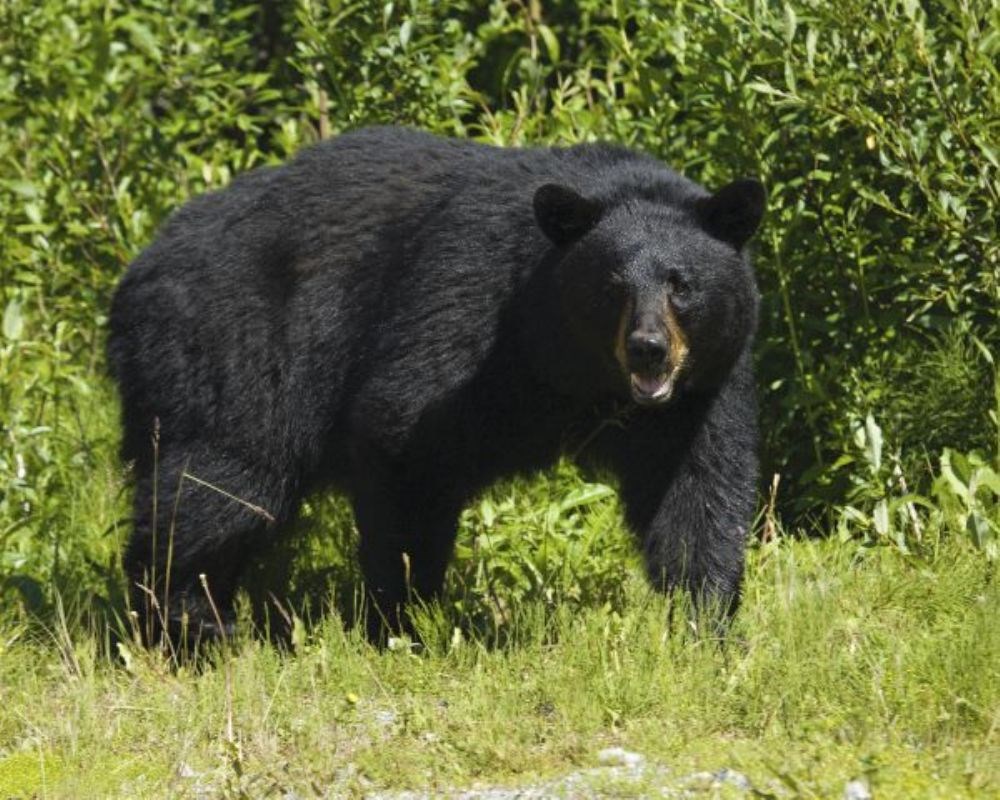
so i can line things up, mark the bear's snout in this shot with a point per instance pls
(653, 358)
(646, 352)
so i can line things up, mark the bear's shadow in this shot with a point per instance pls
(308, 571)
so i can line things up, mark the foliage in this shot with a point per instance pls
(964, 498)
(874, 125)
(968, 494)
(558, 541)
(113, 114)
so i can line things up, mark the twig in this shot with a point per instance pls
(263, 512)
(230, 736)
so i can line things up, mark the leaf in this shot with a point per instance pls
(881, 517)
(142, 38)
(405, 32)
(13, 321)
(988, 152)
(585, 496)
(989, 479)
(984, 349)
(127, 659)
(765, 88)
(812, 36)
(790, 77)
(24, 188)
(488, 513)
(791, 22)
(551, 42)
(300, 636)
(874, 437)
(100, 45)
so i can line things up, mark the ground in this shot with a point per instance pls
(842, 665)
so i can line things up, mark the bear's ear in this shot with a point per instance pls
(734, 212)
(563, 214)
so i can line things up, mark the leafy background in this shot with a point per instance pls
(875, 126)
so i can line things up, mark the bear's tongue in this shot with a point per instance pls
(648, 384)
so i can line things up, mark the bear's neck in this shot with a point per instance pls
(547, 348)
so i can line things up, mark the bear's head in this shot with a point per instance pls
(657, 290)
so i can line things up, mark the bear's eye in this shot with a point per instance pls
(614, 286)
(678, 287)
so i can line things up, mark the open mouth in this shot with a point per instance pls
(652, 389)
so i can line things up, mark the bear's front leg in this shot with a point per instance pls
(688, 484)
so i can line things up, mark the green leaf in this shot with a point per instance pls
(142, 38)
(880, 517)
(585, 495)
(791, 22)
(984, 349)
(989, 479)
(812, 36)
(23, 188)
(551, 42)
(763, 87)
(13, 321)
(874, 438)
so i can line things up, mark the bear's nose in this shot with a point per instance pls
(646, 352)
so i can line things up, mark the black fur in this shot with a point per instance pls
(384, 314)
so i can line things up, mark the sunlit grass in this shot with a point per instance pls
(839, 665)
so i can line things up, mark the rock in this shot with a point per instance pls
(857, 790)
(384, 718)
(733, 778)
(619, 757)
(713, 781)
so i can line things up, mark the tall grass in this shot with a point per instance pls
(838, 667)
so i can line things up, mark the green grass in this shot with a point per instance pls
(841, 664)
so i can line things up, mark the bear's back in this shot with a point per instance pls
(273, 298)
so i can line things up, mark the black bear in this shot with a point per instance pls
(409, 318)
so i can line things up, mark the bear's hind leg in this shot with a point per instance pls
(406, 544)
(199, 511)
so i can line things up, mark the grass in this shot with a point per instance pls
(842, 664)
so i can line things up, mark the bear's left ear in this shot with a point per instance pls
(564, 214)
(734, 212)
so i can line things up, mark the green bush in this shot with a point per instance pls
(874, 125)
